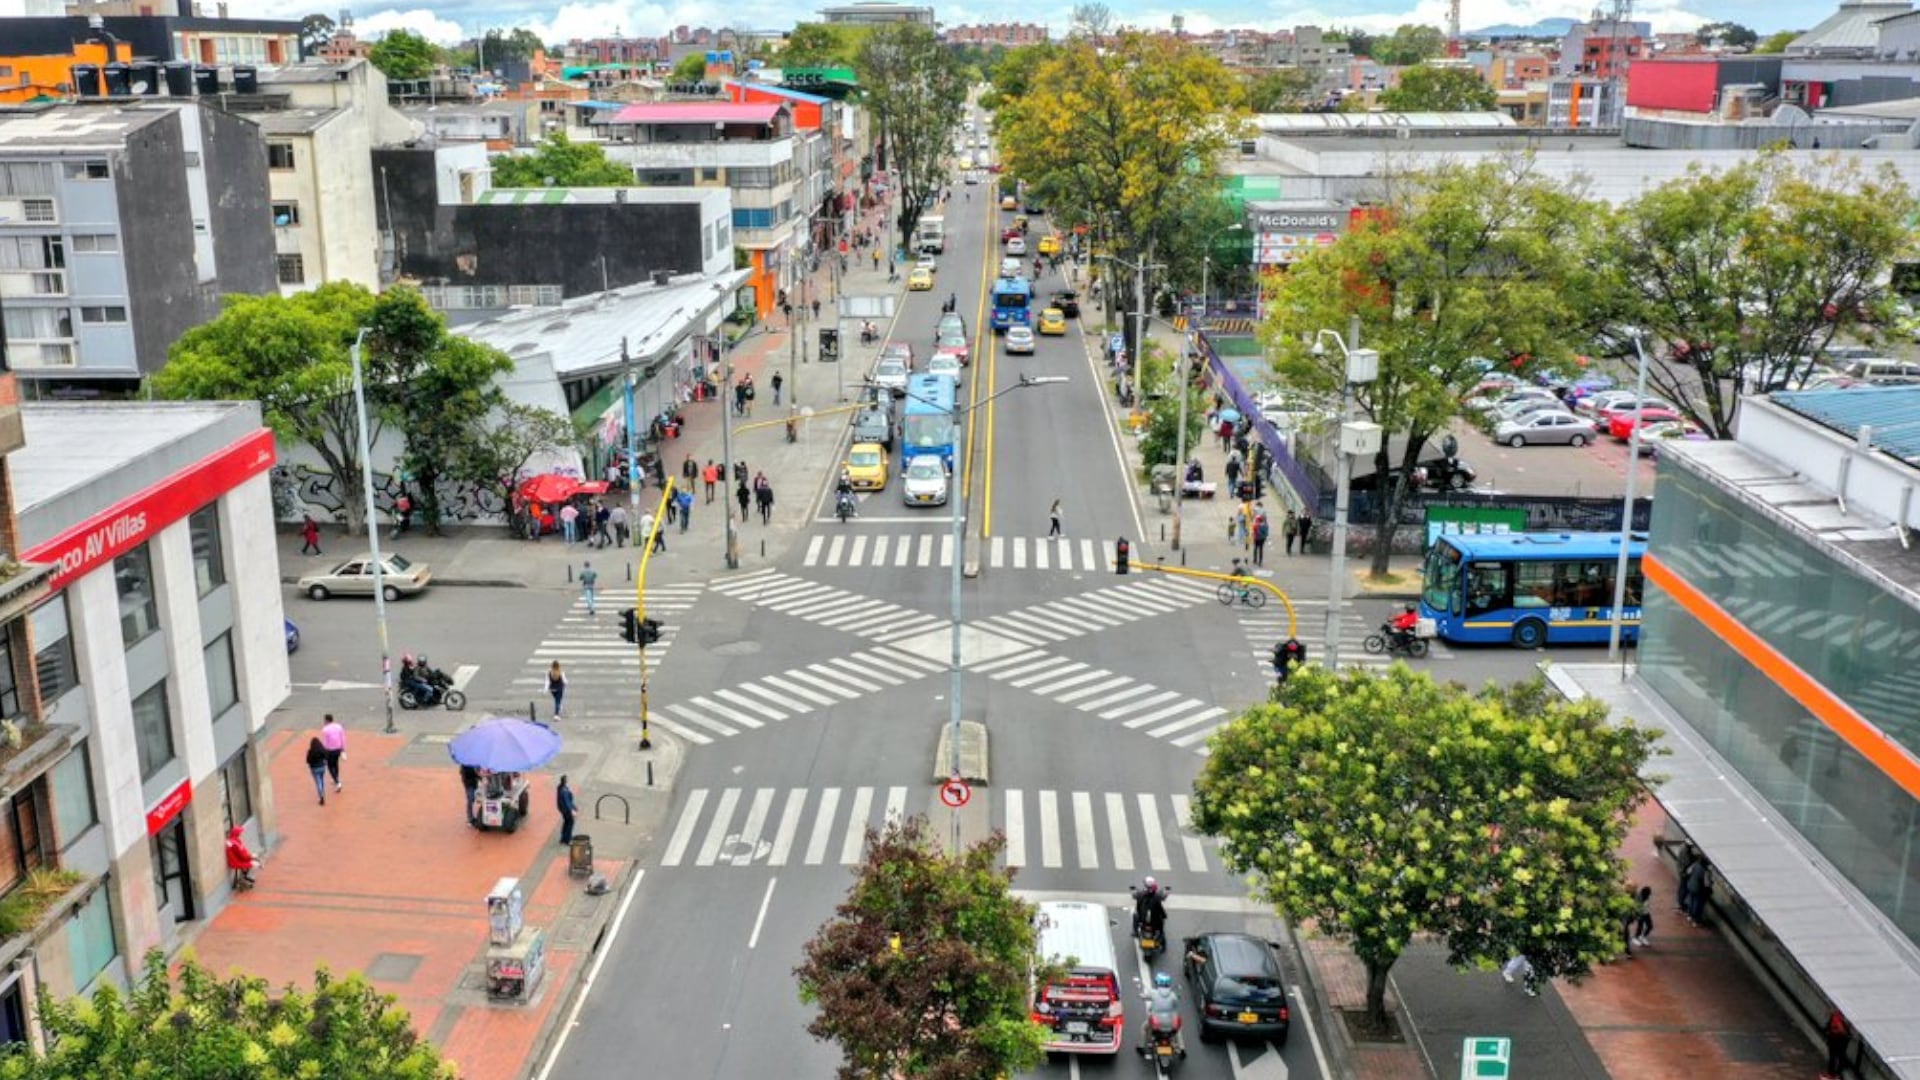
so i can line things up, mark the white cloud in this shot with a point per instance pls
(420, 21)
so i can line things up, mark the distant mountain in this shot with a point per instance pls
(1542, 29)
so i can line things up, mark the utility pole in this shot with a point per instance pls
(726, 447)
(633, 447)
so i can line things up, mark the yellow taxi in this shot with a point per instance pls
(867, 466)
(1008, 202)
(921, 280)
(1053, 321)
(1050, 244)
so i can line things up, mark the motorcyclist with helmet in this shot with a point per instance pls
(1403, 626)
(843, 489)
(1149, 907)
(1163, 1016)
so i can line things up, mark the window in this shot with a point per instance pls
(153, 730)
(32, 253)
(29, 834)
(26, 178)
(236, 797)
(292, 269)
(222, 691)
(279, 155)
(709, 175)
(139, 613)
(47, 283)
(9, 686)
(90, 942)
(286, 213)
(96, 244)
(38, 211)
(72, 797)
(748, 218)
(53, 665)
(36, 323)
(103, 315)
(88, 170)
(209, 569)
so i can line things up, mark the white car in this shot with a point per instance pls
(928, 263)
(1019, 340)
(1016, 245)
(945, 364)
(1009, 268)
(891, 374)
(924, 483)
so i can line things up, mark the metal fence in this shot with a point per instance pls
(1285, 467)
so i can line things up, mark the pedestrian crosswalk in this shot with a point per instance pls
(850, 550)
(827, 605)
(1098, 609)
(1137, 705)
(1044, 828)
(1268, 626)
(750, 704)
(602, 670)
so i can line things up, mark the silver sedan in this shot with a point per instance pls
(1547, 427)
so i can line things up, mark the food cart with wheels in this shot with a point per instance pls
(504, 798)
(503, 749)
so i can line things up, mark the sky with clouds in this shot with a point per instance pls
(453, 20)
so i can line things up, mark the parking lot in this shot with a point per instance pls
(1597, 470)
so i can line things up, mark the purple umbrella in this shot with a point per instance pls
(505, 744)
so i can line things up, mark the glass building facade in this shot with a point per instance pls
(1847, 632)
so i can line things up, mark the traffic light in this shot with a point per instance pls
(1121, 554)
(638, 631)
(649, 632)
(628, 631)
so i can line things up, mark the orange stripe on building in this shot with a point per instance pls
(1855, 730)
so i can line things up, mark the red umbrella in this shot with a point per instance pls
(549, 488)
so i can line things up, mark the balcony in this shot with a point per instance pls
(22, 585)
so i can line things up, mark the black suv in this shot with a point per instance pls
(1237, 986)
(1068, 302)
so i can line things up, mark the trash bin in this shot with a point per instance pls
(580, 855)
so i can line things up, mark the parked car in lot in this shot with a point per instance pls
(1491, 403)
(1545, 428)
(354, 577)
(1237, 986)
(1593, 403)
(1661, 431)
(1620, 424)
(1019, 340)
(1607, 412)
(1525, 407)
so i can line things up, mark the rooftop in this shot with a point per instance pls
(310, 71)
(294, 121)
(1297, 123)
(1892, 413)
(76, 127)
(597, 195)
(1849, 28)
(698, 112)
(584, 334)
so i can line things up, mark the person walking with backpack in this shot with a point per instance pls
(763, 497)
(685, 499)
(1291, 529)
(1260, 538)
(1839, 1037)
(556, 686)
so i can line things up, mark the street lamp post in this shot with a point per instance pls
(1626, 504)
(1362, 366)
(726, 437)
(373, 530)
(1186, 376)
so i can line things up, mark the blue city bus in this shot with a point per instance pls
(1530, 589)
(928, 425)
(1012, 303)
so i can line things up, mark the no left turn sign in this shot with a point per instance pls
(955, 793)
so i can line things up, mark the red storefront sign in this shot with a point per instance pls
(131, 522)
(168, 808)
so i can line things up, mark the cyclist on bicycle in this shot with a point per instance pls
(1240, 570)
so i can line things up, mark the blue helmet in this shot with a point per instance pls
(1163, 980)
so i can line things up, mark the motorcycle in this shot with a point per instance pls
(1163, 1042)
(843, 507)
(433, 687)
(1396, 642)
(1149, 934)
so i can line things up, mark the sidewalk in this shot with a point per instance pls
(1687, 1006)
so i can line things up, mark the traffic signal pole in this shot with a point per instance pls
(640, 605)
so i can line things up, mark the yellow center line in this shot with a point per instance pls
(983, 338)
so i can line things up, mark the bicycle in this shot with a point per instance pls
(1237, 592)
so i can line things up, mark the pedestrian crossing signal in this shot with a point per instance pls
(638, 631)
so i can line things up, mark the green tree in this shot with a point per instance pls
(692, 68)
(441, 400)
(315, 30)
(403, 54)
(1381, 806)
(560, 162)
(507, 440)
(1731, 34)
(1409, 44)
(1777, 43)
(1124, 138)
(1426, 88)
(196, 1026)
(823, 45)
(1288, 89)
(923, 969)
(915, 89)
(1746, 274)
(1463, 263)
(497, 47)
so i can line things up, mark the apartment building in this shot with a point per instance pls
(122, 224)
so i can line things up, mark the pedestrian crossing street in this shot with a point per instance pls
(1137, 705)
(862, 549)
(1268, 626)
(1048, 829)
(1050, 621)
(743, 706)
(594, 657)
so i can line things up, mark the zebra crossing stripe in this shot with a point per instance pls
(780, 683)
(1069, 699)
(1084, 843)
(756, 820)
(1049, 828)
(789, 825)
(1144, 703)
(731, 715)
(868, 681)
(1156, 843)
(1186, 722)
(1196, 851)
(859, 549)
(833, 550)
(822, 826)
(680, 710)
(903, 551)
(1015, 828)
(683, 829)
(926, 548)
(748, 703)
(896, 805)
(1100, 703)
(717, 828)
(678, 730)
(946, 550)
(994, 548)
(1195, 737)
(1117, 832)
(1020, 554)
(880, 550)
(856, 826)
(813, 551)
(824, 685)
(1070, 667)
(1183, 705)
(799, 707)
(1003, 664)
(1075, 679)
(1040, 557)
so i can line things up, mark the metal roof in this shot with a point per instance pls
(1850, 28)
(1893, 412)
(698, 112)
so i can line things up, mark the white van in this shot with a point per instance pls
(1083, 1009)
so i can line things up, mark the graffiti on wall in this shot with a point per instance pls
(301, 489)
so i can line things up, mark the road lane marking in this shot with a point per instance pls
(1196, 849)
(1118, 833)
(1016, 828)
(789, 826)
(1156, 843)
(1085, 842)
(823, 827)
(753, 939)
(593, 973)
(756, 820)
(1049, 830)
(717, 828)
(857, 826)
(683, 829)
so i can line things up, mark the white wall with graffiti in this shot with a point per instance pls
(302, 484)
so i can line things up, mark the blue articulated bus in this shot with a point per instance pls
(1012, 303)
(1530, 589)
(928, 425)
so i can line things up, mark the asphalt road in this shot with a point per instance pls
(809, 695)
